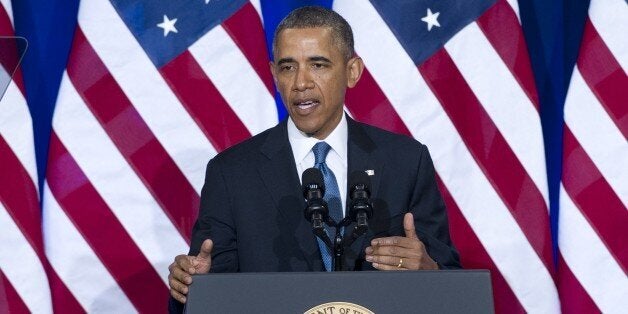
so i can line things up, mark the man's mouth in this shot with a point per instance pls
(306, 104)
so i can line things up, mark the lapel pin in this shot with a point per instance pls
(370, 172)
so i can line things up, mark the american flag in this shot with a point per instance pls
(23, 280)
(592, 238)
(456, 76)
(151, 92)
(153, 89)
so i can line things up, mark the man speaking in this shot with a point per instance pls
(251, 216)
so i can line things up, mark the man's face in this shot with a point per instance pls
(312, 76)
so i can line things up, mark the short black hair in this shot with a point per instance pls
(316, 16)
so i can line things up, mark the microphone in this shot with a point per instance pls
(361, 209)
(316, 211)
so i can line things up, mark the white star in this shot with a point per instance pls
(431, 19)
(207, 1)
(168, 25)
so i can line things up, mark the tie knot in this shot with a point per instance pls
(320, 151)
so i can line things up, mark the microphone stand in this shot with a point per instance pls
(338, 250)
(320, 233)
(339, 243)
(337, 246)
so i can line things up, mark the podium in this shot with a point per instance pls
(455, 291)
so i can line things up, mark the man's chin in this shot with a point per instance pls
(308, 131)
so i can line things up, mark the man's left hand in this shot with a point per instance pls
(400, 253)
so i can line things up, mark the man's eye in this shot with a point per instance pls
(318, 65)
(287, 68)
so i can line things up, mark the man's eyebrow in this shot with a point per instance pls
(318, 59)
(285, 60)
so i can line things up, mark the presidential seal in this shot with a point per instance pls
(338, 308)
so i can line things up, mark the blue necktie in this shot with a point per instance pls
(332, 197)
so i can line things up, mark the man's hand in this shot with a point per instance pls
(400, 253)
(184, 266)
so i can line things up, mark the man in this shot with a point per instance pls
(251, 216)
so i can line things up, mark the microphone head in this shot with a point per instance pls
(360, 193)
(359, 180)
(313, 190)
(312, 178)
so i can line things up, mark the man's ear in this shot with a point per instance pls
(355, 66)
(271, 65)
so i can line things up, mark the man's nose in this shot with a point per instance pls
(303, 80)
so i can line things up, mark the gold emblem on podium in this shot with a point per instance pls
(338, 308)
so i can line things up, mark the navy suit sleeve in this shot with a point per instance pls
(430, 215)
(214, 222)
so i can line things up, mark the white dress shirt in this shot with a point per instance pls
(336, 158)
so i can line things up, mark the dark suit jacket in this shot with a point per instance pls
(252, 205)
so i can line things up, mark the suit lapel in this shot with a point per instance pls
(361, 157)
(280, 177)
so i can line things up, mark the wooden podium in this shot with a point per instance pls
(454, 291)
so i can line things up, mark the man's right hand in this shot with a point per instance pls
(184, 266)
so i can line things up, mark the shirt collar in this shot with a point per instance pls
(302, 144)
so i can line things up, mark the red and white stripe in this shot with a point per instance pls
(594, 192)
(474, 105)
(128, 151)
(23, 281)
